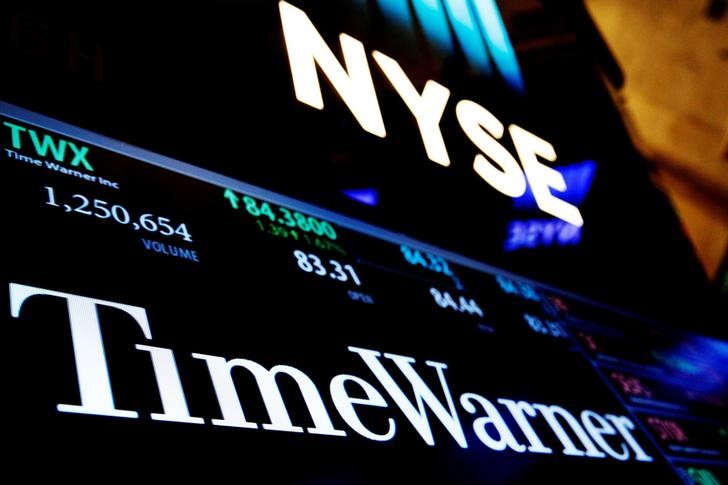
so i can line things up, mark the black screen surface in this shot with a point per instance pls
(284, 341)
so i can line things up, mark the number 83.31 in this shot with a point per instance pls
(310, 263)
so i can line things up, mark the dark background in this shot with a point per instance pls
(209, 83)
(247, 298)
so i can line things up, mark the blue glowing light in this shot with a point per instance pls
(478, 27)
(467, 32)
(398, 11)
(696, 362)
(578, 177)
(433, 21)
(368, 196)
(541, 233)
(496, 36)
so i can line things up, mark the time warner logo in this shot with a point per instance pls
(498, 424)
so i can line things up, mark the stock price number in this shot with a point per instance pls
(431, 262)
(428, 261)
(310, 263)
(523, 290)
(101, 209)
(463, 305)
(283, 232)
(547, 327)
(281, 215)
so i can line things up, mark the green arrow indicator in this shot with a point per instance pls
(230, 195)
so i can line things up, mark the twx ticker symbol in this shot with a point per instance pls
(45, 145)
(477, 25)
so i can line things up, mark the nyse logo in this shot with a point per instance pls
(308, 53)
(477, 25)
(45, 145)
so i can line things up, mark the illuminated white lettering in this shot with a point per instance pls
(222, 380)
(170, 387)
(624, 427)
(550, 413)
(423, 395)
(484, 130)
(307, 49)
(505, 438)
(427, 108)
(491, 429)
(345, 405)
(542, 178)
(519, 410)
(598, 426)
(88, 348)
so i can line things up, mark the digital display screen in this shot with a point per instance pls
(164, 320)
(363, 241)
(480, 126)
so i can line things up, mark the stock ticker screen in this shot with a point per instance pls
(262, 241)
(282, 340)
